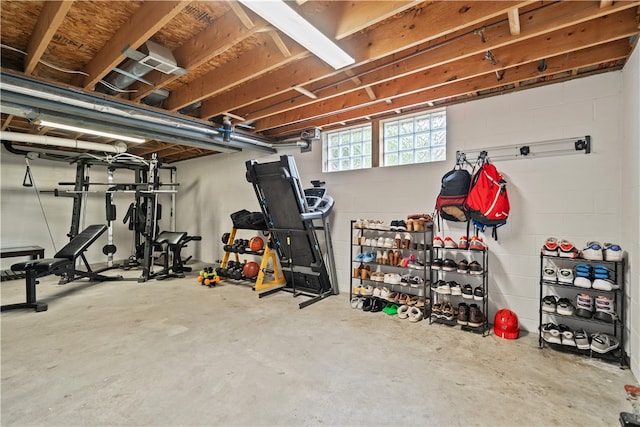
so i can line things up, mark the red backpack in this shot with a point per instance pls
(487, 202)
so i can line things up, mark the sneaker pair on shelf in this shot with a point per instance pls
(551, 273)
(562, 306)
(597, 252)
(564, 248)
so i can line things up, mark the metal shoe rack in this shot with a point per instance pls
(591, 325)
(420, 247)
(475, 280)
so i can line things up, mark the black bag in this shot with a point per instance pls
(249, 220)
(451, 202)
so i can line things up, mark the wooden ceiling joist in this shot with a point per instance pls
(50, 18)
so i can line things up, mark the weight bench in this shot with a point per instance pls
(173, 241)
(62, 264)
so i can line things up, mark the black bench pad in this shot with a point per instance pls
(41, 264)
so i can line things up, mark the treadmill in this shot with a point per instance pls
(294, 216)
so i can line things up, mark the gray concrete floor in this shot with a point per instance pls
(176, 353)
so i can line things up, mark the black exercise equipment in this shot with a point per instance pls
(170, 243)
(62, 264)
(290, 213)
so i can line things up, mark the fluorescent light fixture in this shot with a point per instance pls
(90, 131)
(295, 26)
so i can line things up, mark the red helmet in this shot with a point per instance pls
(505, 324)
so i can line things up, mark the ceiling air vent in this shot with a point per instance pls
(157, 57)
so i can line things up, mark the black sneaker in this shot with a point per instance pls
(476, 318)
(436, 284)
(565, 307)
(463, 266)
(449, 265)
(437, 264)
(475, 268)
(402, 226)
(467, 292)
(478, 293)
(463, 313)
(394, 225)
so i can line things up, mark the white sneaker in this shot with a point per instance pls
(565, 275)
(582, 282)
(549, 273)
(456, 289)
(612, 252)
(605, 285)
(444, 288)
(593, 251)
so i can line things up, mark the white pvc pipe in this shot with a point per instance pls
(118, 147)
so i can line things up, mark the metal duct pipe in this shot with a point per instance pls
(117, 148)
(131, 71)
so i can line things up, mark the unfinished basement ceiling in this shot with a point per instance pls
(228, 61)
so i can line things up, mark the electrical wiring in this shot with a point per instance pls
(66, 70)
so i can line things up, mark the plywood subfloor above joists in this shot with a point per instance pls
(409, 55)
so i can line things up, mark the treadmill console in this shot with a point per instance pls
(314, 197)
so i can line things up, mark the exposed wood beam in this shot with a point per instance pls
(561, 63)
(50, 18)
(144, 23)
(372, 95)
(438, 53)
(355, 16)
(6, 122)
(261, 59)
(431, 22)
(514, 21)
(241, 14)
(605, 3)
(284, 49)
(222, 35)
(558, 42)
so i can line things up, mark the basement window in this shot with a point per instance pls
(419, 138)
(347, 149)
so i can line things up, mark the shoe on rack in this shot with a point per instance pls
(438, 242)
(463, 243)
(449, 243)
(380, 242)
(549, 303)
(449, 265)
(467, 292)
(406, 243)
(369, 257)
(581, 339)
(612, 252)
(549, 273)
(567, 250)
(476, 318)
(565, 307)
(436, 284)
(478, 293)
(582, 282)
(603, 343)
(436, 264)
(463, 266)
(463, 313)
(565, 275)
(601, 272)
(444, 288)
(551, 333)
(401, 226)
(584, 305)
(592, 251)
(605, 309)
(550, 247)
(475, 268)
(477, 243)
(359, 257)
(366, 290)
(436, 310)
(448, 312)
(605, 285)
(566, 336)
(456, 289)
(378, 305)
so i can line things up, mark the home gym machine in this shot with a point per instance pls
(292, 214)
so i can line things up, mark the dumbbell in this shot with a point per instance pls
(225, 238)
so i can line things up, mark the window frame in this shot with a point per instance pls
(363, 156)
